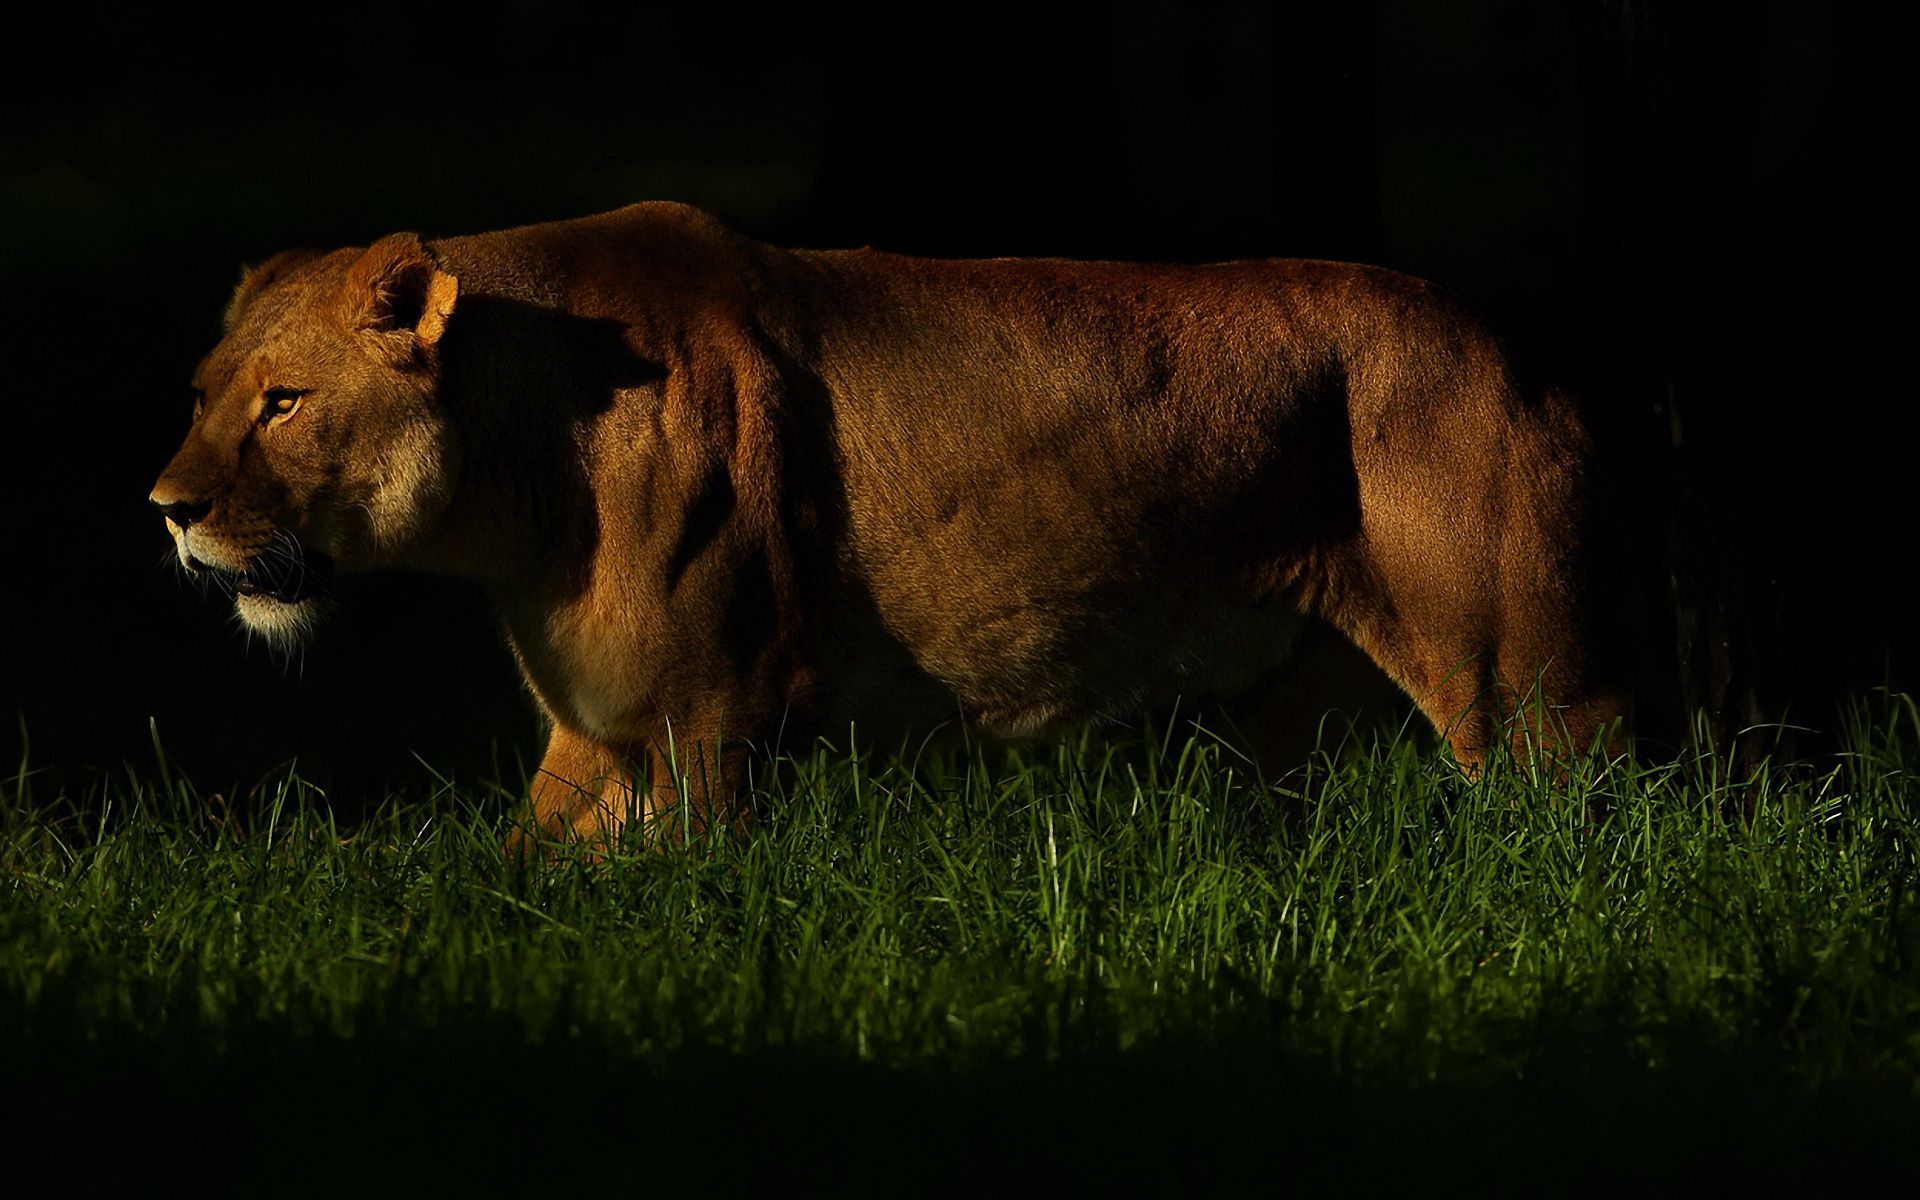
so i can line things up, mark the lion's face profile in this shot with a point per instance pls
(317, 437)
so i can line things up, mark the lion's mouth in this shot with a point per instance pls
(282, 578)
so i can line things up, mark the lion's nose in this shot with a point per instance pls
(182, 512)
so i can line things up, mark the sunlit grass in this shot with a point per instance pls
(1382, 924)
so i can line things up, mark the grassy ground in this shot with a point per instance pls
(1076, 968)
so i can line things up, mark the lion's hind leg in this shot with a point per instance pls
(1493, 653)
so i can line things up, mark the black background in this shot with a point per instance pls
(1701, 215)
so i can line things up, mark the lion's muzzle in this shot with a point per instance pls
(286, 575)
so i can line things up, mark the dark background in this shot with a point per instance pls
(1699, 215)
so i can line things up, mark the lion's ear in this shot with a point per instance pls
(398, 293)
(253, 280)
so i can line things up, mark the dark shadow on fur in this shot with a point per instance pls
(498, 355)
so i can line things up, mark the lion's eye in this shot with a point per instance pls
(279, 402)
(199, 403)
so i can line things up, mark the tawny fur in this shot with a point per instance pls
(725, 494)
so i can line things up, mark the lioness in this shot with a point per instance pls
(725, 494)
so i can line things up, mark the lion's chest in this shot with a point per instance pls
(593, 674)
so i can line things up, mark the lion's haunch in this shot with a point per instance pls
(727, 495)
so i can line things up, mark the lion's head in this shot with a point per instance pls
(317, 435)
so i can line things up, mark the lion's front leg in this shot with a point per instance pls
(698, 785)
(588, 790)
(582, 789)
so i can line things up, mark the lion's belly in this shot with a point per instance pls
(1032, 664)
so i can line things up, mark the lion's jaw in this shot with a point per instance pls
(278, 588)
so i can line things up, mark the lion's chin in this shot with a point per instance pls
(283, 623)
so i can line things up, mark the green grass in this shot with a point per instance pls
(1074, 967)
